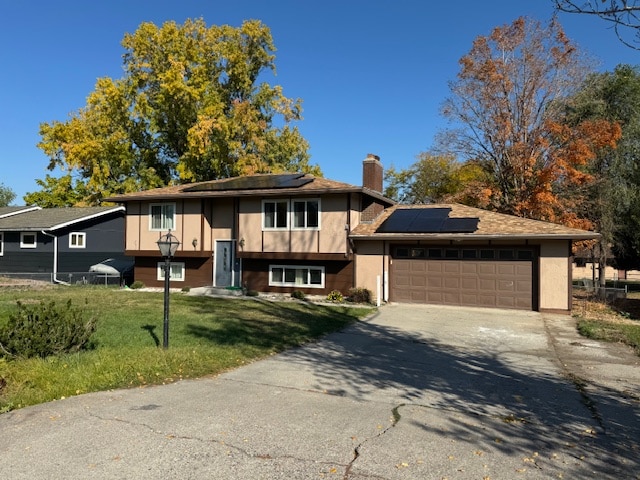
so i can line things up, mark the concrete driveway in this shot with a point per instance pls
(414, 392)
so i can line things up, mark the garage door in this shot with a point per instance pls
(486, 277)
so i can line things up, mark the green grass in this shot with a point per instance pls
(206, 336)
(611, 332)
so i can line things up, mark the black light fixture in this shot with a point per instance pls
(168, 244)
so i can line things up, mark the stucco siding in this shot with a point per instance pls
(370, 265)
(554, 275)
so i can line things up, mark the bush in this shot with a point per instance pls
(137, 284)
(359, 295)
(252, 293)
(45, 329)
(298, 294)
(335, 296)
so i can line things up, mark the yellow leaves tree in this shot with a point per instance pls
(504, 116)
(190, 107)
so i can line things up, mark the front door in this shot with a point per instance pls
(227, 271)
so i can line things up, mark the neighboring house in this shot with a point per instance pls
(280, 233)
(59, 240)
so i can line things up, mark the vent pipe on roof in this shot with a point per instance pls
(372, 173)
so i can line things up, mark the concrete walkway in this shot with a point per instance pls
(416, 392)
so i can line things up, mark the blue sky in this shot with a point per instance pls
(372, 74)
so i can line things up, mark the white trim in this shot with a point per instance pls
(287, 214)
(29, 245)
(163, 227)
(18, 212)
(284, 283)
(292, 213)
(88, 217)
(82, 235)
(1, 244)
(160, 272)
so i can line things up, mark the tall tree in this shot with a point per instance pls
(624, 15)
(615, 194)
(189, 107)
(503, 104)
(6, 195)
(433, 178)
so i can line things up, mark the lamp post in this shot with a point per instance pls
(168, 244)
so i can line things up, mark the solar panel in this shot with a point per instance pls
(258, 182)
(460, 225)
(426, 220)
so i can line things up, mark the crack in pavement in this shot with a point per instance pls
(396, 417)
(242, 451)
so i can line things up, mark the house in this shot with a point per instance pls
(59, 241)
(281, 233)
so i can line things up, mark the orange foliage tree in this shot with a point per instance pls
(503, 108)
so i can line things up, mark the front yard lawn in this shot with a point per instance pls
(617, 322)
(206, 336)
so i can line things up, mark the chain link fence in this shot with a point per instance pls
(68, 278)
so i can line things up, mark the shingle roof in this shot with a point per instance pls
(9, 211)
(490, 225)
(315, 186)
(52, 218)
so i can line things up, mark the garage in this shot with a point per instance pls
(466, 276)
(452, 254)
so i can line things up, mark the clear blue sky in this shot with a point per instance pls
(372, 74)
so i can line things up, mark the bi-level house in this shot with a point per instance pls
(280, 233)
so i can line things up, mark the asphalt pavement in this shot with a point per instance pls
(414, 392)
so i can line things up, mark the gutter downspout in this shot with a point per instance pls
(55, 258)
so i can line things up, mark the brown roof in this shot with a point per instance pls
(217, 188)
(486, 225)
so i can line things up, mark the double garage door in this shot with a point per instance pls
(477, 276)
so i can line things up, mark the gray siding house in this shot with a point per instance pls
(59, 241)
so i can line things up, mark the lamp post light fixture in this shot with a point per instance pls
(168, 244)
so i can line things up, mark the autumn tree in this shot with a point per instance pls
(6, 195)
(504, 115)
(432, 178)
(624, 15)
(191, 106)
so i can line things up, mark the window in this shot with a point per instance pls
(77, 240)
(296, 276)
(28, 240)
(176, 274)
(274, 214)
(1, 244)
(162, 216)
(306, 213)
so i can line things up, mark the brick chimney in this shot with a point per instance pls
(372, 173)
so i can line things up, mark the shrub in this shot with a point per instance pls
(137, 284)
(252, 293)
(298, 294)
(359, 295)
(335, 296)
(45, 329)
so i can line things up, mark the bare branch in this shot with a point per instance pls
(623, 14)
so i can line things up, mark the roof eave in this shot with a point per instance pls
(248, 193)
(472, 236)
